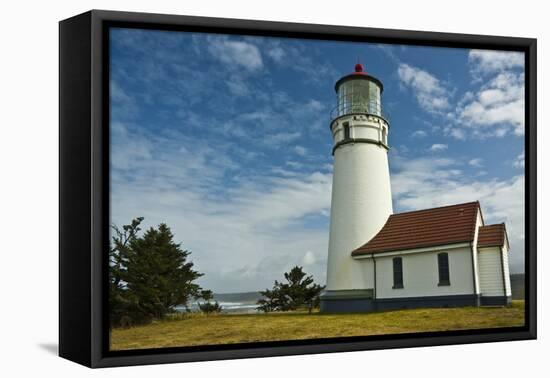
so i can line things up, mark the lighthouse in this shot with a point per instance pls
(361, 193)
(377, 260)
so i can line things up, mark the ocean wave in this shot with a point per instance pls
(226, 307)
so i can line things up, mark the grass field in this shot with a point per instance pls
(197, 329)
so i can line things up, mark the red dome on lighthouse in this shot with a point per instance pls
(359, 73)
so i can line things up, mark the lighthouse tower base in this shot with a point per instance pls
(334, 301)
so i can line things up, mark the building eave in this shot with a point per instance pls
(434, 248)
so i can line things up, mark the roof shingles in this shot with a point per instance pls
(491, 236)
(424, 228)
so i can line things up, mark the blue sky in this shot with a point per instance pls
(226, 139)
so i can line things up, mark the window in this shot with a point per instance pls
(346, 130)
(443, 263)
(374, 98)
(397, 273)
(384, 136)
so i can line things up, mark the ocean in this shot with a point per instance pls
(227, 307)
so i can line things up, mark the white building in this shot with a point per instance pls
(378, 260)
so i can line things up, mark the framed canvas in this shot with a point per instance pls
(235, 188)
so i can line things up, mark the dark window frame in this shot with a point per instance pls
(347, 131)
(443, 269)
(397, 263)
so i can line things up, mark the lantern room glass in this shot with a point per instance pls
(359, 96)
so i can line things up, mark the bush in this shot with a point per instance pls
(209, 307)
(299, 291)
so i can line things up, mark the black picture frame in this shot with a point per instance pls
(84, 190)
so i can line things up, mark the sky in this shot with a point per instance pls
(226, 140)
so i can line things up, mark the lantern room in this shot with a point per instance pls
(358, 116)
(358, 92)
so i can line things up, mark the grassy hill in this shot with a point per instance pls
(198, 329)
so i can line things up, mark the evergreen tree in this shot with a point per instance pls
(149, 275)
(298, 291)
(158, 275)
(119, 301)
(273, 300)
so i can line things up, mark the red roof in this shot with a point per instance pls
(491, 236)
(424, 228)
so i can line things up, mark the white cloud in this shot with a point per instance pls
(244, 227)
(308, 259)
(125, 105)
(277, 53)
(300, 150)
(300, 57)
(281, 113)
(424, 183)
(294, 164)
(268, 269)
(519, 162)
(437, 147)
(430, 93)
(131, 153)
(497, 108)
(457, 133)
(477, 162)
(491, 61)
(419, 134)
(389, 51)
(281, 138)
(313, 106)
(284, 172)
(237, 86)
(237, 53)
(328, 167)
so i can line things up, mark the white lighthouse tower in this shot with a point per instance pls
(361, 192)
